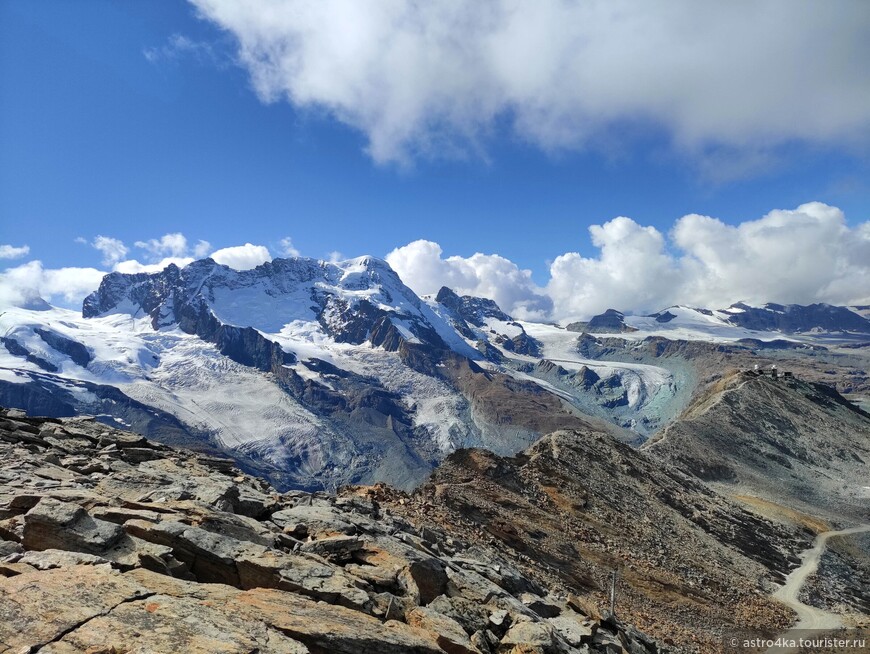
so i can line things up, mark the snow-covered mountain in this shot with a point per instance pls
(317, 373)
(793, 322)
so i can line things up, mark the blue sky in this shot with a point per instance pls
(137, 119)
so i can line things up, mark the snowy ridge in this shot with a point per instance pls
(694, 324)
(796, 323)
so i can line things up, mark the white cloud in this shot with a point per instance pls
(631, 272)
(174, 245)
(242, 257)
(31, 280)
(335, 256)
(805, 255)
(169, 248)
(113, 249)
(174, 248)
(422, 268)
(287, 247)
(12, 252)
(131, 266)
(726, 80)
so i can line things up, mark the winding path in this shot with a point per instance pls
(809, 617)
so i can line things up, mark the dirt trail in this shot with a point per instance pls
(809, 617)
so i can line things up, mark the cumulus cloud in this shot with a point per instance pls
(804, 255)
(113, 249)
(727, 80)
(24, 284)
(12, 252)
(632, 271)
(30, 281)
(423, 269)
(131, 266)
(242, 257)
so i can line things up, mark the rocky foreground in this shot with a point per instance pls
(111, 543)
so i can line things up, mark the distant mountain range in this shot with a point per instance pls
(316, 374)
(791, 319)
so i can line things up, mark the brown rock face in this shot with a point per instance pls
(38, 608)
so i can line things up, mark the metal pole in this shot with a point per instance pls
(613, 593)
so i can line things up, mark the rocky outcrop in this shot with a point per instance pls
(473, 310)
(73, 349)
(609, 322)
(468, 312)
(113, 543)
(522, 343)
(584, 378)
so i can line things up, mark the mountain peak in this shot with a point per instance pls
(474, 310)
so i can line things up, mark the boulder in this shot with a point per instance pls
(469, 614)
(469, 584)
(425, 579)
(574, 629)
(334, 548)
(585, 606)
(8, 547)
(53, 524)
(320, 521)
(322, 582)
(420, 576)
(210, 557)
(450, 636)
(533, 638)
